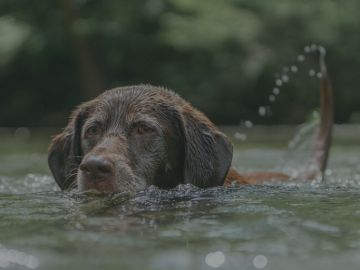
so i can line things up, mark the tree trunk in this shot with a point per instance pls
(90, 74)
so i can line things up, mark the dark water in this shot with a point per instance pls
(281, 226)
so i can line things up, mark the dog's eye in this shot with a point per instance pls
(93, 131)
(142, 129)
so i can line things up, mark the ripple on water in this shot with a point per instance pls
(173, 227)
(29, 183)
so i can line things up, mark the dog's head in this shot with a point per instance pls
(132, 137)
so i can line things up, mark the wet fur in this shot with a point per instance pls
(191, 149)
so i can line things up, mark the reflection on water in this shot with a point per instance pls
(279, 226)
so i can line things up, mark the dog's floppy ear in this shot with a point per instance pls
(64, 155)
(208, 152)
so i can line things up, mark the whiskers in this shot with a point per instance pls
(132, 184)
(73, 185)
(125, 180)
(70, 180)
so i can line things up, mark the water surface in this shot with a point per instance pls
(279, 226)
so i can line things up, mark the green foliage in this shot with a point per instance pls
(222, 55)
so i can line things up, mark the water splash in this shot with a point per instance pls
(276, 91)
(312, 72)
(240, 136)
(299, 149)
(284, 77)
(30, 183)
(272, 98)
(294, 69)
(264, 111)
(301, 58)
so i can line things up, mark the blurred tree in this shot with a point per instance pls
(88, 69)
(222, 55)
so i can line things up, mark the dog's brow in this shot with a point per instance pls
(145, 119)
(94, 121)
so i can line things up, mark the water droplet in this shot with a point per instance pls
(215, 259)
(301, 58)
(312, 72)
(248, 124)
(262, 111)
(319, 75)
(313, 47)
(278, 82)
(285, 78)
(328, 172)
(240, 136)
(322, 50)
(276, 91)
(294, 69)
(272, 98)
(307, 49)
(260, 261)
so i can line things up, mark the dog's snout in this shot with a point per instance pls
(97, 167)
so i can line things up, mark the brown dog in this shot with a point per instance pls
(131, 137)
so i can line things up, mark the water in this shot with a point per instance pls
(279, 226)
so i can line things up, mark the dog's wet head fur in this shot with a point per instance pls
(132, 137)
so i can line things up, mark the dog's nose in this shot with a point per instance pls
(97, 167)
